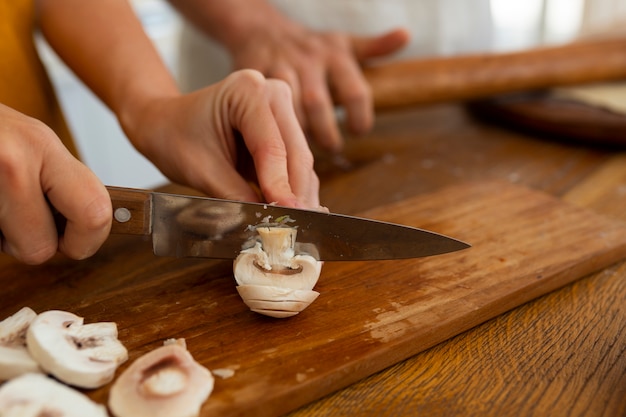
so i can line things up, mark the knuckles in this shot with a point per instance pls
(36, 254)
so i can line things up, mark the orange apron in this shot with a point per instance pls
(24, 83)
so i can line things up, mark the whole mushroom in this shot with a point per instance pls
(272, 279)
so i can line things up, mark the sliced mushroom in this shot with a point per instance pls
(276, 301)
(36, 395)
(83, 355)
(269, 272)
(266, 292)
(14, 357)
(166, 382)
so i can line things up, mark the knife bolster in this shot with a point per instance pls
(132, 211)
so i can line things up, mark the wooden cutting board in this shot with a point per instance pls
(554, 118)
(369, 315)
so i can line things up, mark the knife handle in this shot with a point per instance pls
(132, 211)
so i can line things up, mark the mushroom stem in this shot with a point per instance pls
(278, 243)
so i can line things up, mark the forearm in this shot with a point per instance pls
(105, 45)
(231, 22)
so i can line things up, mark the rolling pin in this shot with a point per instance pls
(424, 81)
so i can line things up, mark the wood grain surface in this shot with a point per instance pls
(561, 354)
(370, 315)
(542, 114)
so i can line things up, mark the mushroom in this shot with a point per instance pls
(272, 279)
(166, 382)
(276, 302)
(36, 395)
(14, 357)
(85, 356)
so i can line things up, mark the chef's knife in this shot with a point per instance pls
(187, 226)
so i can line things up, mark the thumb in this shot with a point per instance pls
(377, 46)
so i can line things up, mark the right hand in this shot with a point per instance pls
(36, 170)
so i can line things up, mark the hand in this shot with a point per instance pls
(193, 140)
(319, 67)
(35, 168)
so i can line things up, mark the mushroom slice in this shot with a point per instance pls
(266, 292)
(83, 355)
(275, 301)
(271, 271)
(294, 306)
(14, 357)
(36, 395)
(275, 313)
(165, 382)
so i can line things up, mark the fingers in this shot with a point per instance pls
(28, 230)
(35, 167)
(266, 119)
(330, 69)
(220, 179)
(312, 100)
(353, 92)
(285, 72)
(83, 201)
(350, 86)
(321, 67)
(300, 164)
(319, 109)
(372, 47)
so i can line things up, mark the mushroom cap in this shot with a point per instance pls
(82, 355)
(34, 395)
(251, 268)
(162, 383)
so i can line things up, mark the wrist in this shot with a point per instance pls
(139, 110)
(235, 22)
(240, 29)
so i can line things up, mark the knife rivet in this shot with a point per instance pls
(122, 214)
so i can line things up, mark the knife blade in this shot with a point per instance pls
(189, 226)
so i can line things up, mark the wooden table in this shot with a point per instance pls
(561, 354)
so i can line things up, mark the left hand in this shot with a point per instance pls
(192, 140)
